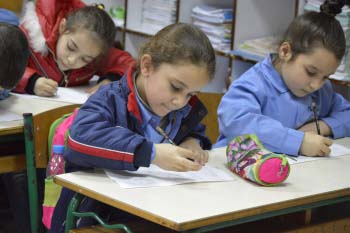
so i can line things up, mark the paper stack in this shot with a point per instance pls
(257, 49)
(216, 23)
(157, 14)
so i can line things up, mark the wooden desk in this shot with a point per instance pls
(33, 132)
(208, 206)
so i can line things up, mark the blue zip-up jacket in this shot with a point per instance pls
(259, 102)
(107, 133)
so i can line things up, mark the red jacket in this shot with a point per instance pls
(40, 23)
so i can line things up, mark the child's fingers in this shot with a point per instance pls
(325, 150)
(328, 141)
(186, 164)
(51, 83)
(203, 157)
(48, 87)
(189, 154)
(45, 93)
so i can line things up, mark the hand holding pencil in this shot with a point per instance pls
(315, 145)
(45, 87)
(175, 158)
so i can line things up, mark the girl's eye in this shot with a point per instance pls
(70, 48)
(310, 73)
(85, 61)
(175, 88)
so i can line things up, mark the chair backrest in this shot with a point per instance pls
(41, 126)
(211, 102)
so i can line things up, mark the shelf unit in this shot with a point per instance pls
(244, 25)
(252, 19)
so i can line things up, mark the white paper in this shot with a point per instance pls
(155, 176)
(339, 147)
(9, 116)
(75, 95)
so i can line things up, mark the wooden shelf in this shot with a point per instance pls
(339, 82)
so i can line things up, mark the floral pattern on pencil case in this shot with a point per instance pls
(248, 158)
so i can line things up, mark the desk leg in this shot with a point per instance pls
(72, 215)
(308, 214)
(73, 207)
(31, 172)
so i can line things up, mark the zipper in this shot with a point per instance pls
(65, 80)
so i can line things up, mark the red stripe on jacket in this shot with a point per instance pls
(100, 152)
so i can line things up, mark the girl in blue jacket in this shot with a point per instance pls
(278, 98)
(149, 116)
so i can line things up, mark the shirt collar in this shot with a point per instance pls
(272, 74)
(147, 115)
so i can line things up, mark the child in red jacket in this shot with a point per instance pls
(70, 42)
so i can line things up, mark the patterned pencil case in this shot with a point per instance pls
(247, 157)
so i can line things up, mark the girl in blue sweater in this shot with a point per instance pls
(278, 98)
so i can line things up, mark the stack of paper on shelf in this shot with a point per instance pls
(343, 71)
(216, 23)
(157, 14)
(257, 49)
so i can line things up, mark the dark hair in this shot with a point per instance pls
(14, 54)
(317, 29)
(95, 20)
(333, 7)
(180, 43)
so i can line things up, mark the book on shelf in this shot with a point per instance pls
(216, 23)
(157, 14)
(257, 49)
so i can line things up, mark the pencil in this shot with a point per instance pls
(313, 108)
(161, 132)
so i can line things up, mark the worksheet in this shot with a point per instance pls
(9, 116)
(155, 176)
(74, 95)
(339, 147)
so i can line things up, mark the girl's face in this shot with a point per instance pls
(75, 49)
(306, 73)
(169, 87)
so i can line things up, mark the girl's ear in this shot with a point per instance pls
(285, 51)
(146, 65)
(62, 26)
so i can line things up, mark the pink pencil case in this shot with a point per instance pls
(247, 157)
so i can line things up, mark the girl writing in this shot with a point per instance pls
(131, 123)
(283, 98)
(70, 42)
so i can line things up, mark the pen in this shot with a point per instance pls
(313, 108)
(39, 66)
(161, 132)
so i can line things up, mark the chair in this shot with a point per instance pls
(211, 102)
(36, 130)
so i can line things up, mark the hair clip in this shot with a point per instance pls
(100, 6)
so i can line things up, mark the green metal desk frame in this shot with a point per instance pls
(31, 173)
